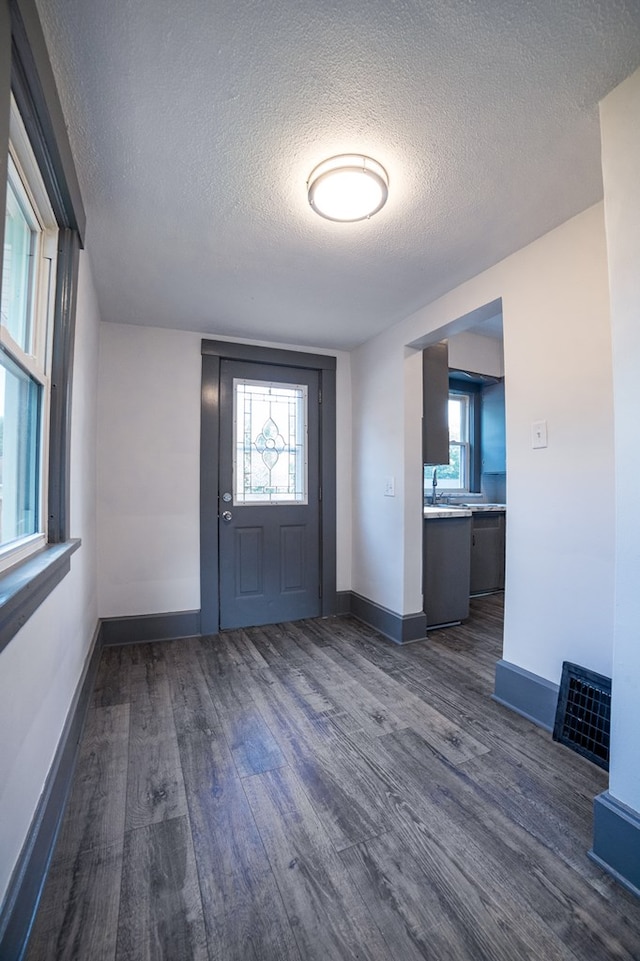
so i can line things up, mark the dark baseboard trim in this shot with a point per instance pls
(616, 841)
(527, 694)
(399, 628)
(149, 627)
(23, 894)
(343, 602)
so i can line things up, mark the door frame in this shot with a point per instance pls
(213, 352)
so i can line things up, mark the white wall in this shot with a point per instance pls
(557, 356)
(41, 667)
(149, 470)
(620, 125)
(378, 455)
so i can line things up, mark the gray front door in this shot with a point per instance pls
(269, 511)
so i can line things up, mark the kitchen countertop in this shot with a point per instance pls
(453, 510)
(445, 510)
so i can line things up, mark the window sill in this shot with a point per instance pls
(24, 587)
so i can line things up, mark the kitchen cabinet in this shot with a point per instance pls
(487, 552)
(446, 569)
(435, 404)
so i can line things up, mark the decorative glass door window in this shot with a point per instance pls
(270, 449)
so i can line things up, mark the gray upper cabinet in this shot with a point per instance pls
(492, 430)
(435, 400)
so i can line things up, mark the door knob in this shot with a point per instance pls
(226, 515)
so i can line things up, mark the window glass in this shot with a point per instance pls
(18, 263)
(19, 452)
(454, 475)
(457, 410)
(270, 449)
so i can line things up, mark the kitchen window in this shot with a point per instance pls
(456, 475)
(28, 275)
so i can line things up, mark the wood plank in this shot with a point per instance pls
(474, 889)
(252, 745)
(243, 910)
(112, 680)
(558, 814)
(410, 910)
(160, 907)
(517, 870)
(95, 814)
(155, 789)
(221, 667)
(244, 914)
(77, 916)
(347, 630)
(285, 662)
(456, 695)
(352, 705)
(330, 919)
(193, 710)
(446, 737)
(347, 800)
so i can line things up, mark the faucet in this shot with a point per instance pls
(434, 484)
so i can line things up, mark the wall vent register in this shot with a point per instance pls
(583, 714)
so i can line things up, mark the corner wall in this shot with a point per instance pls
(41, 667)
(557, 357)
(620, 123)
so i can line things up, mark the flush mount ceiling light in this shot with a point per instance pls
(348, 188)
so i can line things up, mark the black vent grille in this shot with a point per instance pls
(583, 715)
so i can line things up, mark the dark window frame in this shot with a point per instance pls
(26, 71)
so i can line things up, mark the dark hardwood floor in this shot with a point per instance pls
(310, 791)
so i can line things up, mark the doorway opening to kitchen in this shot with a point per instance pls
(464, 465)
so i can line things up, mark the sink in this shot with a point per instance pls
(475, 505)
(459, 505)
(487, 507)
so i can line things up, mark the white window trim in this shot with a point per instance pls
(465, 446)
(12, 554)
(36, 361)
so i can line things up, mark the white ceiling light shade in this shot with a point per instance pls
(348, 188)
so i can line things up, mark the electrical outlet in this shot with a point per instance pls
(390, 487)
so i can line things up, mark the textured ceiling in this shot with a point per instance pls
(195, 126)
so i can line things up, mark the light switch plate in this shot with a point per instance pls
(390, 487)
(539, 434)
